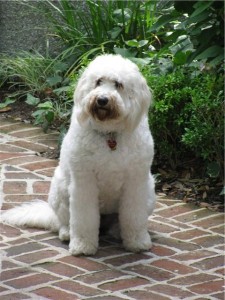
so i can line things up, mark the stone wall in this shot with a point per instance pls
(24, 28)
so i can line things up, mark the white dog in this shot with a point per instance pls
(104, 164)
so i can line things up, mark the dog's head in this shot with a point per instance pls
(111, 94)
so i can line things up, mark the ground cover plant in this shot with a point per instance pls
(179, 49)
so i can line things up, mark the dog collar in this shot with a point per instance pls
(111, 141)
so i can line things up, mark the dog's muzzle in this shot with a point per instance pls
(104, 108)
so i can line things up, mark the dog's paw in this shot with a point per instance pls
(64, 234)
(79, 246)
(139, 243)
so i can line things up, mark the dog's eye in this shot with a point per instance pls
(98, 82)
(118, 85)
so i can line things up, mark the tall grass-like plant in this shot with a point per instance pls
(94, 27)
(27, 72)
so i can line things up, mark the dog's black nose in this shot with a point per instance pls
(102, 101)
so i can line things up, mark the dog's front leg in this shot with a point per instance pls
(84, 215)
(133, 214)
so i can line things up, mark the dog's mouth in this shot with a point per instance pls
(106, 112)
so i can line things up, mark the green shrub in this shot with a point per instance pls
(187, 117)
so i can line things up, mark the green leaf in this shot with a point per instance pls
(31, 100)
(180, 58)
(7, 102)
(213, 169)
(212, 51)
(140, 61)
(60, 66)
(46, 105)
(222, 193)
(200, 6)
(54, 80)
(165, 19)
(114, 33)
(50, 116)
(125, 52)
(132, 43)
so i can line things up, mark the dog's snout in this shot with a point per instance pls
(102, 101)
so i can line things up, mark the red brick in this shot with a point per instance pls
(130, 258)
(43, 164)
(145, 295)
(29, 145)
(24, 198)
(30, 280)
(29, 132)
(194, 215)
(57, 243)
(194, 255)
(15, 273)
(176, 244)
(189, 234)
(13, 296)
(213, 221)
(23, 160)
(12, 127)
(174, 211)
(5, 156)
(52, 143)
(56, 294)
(210, 263)
(14, 187)
(98, 277)
(160, 227)
(122, 284)
(8, 264)
(105, 252)
(36, 256)
(84, 263)
(16, 250)
(219, 296)
(48, 172)
(208, 287)
(21, 175)
(151, 272)
(9, 147)
(161, 251)
(9, 231)
(62, 269)
(178, 293)
(174, 223)
(209, 241)
(173, 266)
(218, 229)
(41, 187)
(80, 289)
(19, 241)
(192, 279)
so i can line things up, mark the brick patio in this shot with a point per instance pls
(186, 261)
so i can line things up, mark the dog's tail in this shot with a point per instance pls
(37, 214)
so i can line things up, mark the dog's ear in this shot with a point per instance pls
(141, 99)
(79, 93)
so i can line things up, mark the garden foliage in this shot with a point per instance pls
(178, 46)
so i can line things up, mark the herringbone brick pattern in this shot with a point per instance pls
(186, 261)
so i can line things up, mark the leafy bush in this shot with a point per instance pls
(192, 30)
(41, 83)
(187, 118)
